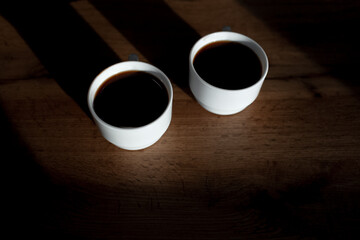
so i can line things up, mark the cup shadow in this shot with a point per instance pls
(157, 32)
(65, 44)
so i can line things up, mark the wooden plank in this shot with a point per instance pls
(287, 167)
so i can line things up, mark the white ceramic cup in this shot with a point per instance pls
(134, 138)
(223, 101)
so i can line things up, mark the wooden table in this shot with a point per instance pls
(287, 167)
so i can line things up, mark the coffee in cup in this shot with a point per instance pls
(131, 99)
(228, 65)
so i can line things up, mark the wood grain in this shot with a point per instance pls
(287, 167)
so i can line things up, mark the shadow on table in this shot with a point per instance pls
(27, 192)
(156, 31)
(74, 54)
(327, 32)
(324, 30)
(65, 44)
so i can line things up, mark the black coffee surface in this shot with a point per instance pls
(228, 65)
(131, 99)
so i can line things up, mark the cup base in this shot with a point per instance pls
(134, 148)
(221, 111)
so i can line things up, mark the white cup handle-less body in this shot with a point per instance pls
(223, 101)
(137, 137)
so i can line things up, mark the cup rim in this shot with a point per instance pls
(90, 100)
(265, 67)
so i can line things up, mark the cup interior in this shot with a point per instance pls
(124, 67)
(234, 37)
